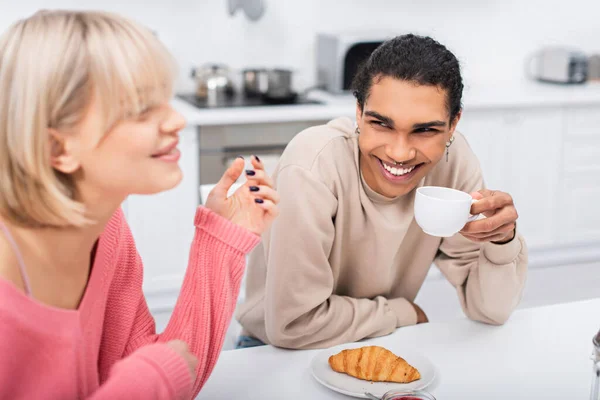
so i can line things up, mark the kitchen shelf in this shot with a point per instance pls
(525, 95)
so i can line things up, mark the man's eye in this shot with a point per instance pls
(379, 123)
(425, 130)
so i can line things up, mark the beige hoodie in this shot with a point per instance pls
(341, 261)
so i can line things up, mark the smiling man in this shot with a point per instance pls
(345, 260)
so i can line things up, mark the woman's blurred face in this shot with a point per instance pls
(138, 155)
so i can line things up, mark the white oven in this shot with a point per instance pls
(220, 145)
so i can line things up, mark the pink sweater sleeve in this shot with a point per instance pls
(153, 372)
(201, 315)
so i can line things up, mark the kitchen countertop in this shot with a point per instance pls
(528, 94)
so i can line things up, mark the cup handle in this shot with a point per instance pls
(473, 217)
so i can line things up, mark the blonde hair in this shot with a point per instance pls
(51, 64)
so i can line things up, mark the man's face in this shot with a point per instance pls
(402, 122)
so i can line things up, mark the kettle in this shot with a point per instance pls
(213, 82)
(595, 394)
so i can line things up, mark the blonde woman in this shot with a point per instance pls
(85, 121)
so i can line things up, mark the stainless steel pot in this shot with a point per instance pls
(279, 83)
(271, 83)
(254, 82)
(213, 82)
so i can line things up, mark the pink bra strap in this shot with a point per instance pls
(12, 242)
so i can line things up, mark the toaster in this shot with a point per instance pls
(559, 65)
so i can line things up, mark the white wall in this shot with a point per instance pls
(491, 37)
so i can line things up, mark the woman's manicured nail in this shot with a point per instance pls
(254, 188)
(242, 157)
(257, 159)
(249, 172)
(259, 201)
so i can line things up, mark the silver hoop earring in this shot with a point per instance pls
(357, 130)
(448, 144)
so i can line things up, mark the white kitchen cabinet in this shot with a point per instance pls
(519, 152)
(580, 216)
(486, 136)
(580, 189)
(533, 171)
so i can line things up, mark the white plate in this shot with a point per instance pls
(355, 387)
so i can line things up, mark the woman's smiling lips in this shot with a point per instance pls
(168, 153)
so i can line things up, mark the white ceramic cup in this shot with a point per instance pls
(441, 211)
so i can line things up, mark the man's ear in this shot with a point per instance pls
(359, 112)
(62, 157)
(454, 122)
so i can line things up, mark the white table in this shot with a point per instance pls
(541, 353)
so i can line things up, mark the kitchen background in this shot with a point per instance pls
(539, 142)
(491, 37)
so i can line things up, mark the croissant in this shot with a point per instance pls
(374, 363)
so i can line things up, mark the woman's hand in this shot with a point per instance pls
(183, 350)
(254, 205)
(499, 226)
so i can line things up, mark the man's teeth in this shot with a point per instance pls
(398, 171)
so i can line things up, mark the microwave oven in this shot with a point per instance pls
(340, 55)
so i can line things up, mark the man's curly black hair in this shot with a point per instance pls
(412, 58)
